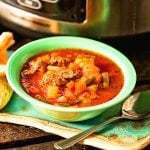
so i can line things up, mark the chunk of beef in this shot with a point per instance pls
(53, 78)
(61, 76)
(59, 61)
(69, 73)
(33, 66)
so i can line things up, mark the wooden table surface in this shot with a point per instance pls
(18, 137)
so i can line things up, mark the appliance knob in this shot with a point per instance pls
(34, 4)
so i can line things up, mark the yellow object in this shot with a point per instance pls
(2, 70)
(6, 40)
(5, 91)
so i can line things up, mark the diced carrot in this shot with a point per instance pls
(80, 86)
(74, 66)
(45, 58)
(69, 94)
(70, 85)
(86, 102)
(83, 96)
(93, 94)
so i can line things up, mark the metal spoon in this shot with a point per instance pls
(136, 107)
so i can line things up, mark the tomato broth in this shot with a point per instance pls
(71, 78)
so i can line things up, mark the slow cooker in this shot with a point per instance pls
(92, 18)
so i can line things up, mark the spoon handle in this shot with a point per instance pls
(66, 143)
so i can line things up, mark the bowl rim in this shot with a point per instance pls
(124, 93)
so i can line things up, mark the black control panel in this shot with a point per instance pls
(64, 10)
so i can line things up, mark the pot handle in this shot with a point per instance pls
(51, 1)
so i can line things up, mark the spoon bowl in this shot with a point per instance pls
(136, 107)
(133, 107)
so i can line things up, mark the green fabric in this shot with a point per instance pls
(122, 128)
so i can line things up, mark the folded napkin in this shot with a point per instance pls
(122, 135)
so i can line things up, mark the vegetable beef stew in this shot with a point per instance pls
(71, 78)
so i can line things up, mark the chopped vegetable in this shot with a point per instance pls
(71, 78)
(105, 79)
(52, 91)
(80, 86)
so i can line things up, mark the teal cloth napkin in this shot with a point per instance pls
(122, 128)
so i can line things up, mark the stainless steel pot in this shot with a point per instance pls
(94, 18)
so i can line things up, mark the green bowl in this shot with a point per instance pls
(20, 56)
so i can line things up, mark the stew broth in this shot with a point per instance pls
(71, 78)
